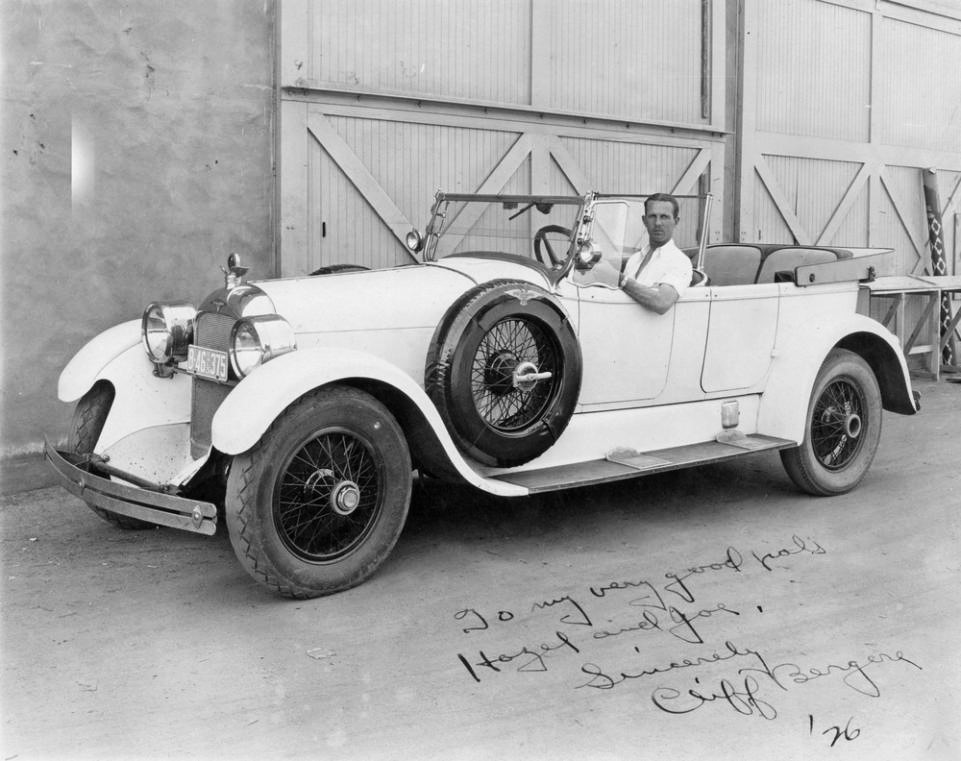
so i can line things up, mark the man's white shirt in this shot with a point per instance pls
(668, 265)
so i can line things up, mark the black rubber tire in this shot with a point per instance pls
(842, 430)
(485, 334)
(333, 441)
(89, 417)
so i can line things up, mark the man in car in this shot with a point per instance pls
(657, 275)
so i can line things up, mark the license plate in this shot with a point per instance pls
(207, 363)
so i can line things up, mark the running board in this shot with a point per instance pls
(623, 464)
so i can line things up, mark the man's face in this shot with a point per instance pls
(659, 221)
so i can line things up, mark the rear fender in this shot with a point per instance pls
(254, 404)
(784, 403)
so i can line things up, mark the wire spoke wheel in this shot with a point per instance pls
(318, 503)
(328, 496)
(843, 427)
(836, 424)
(512, 348)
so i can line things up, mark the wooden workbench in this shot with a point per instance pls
(925, 337)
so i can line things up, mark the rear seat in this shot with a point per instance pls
(740, 264)
(732, 265)
(786, 260)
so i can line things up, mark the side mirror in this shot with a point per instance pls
(586, 257)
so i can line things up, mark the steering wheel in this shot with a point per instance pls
(551, 260)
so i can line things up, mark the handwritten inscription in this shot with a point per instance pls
(615, 633)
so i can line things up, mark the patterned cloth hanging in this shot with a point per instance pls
(932, 207)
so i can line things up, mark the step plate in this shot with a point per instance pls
(595, 472)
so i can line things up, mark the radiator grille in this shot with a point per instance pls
(213, 330)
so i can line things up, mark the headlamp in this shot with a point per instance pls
(167, 330)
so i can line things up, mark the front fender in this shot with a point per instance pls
(254, 404)
(784, 403)
(147, 432)
(86, 366)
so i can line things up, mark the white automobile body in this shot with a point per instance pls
(728, 371)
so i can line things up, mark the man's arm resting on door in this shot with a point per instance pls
(658, 298)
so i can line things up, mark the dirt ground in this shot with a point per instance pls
(712, 613)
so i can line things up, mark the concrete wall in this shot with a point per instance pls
(137, 152)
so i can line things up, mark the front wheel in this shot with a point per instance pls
(842, 430)
(319, 502)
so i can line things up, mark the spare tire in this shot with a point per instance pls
(504, 370)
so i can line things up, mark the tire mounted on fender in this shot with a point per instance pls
(504, 370)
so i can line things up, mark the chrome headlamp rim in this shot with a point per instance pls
(167, 329)
(258, 339)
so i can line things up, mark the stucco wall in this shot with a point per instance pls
(165, 112)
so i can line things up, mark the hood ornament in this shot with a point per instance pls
(234, 272)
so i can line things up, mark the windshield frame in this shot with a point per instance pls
(442, 203)
(584, 218)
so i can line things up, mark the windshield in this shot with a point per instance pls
(619, 223)
(511, 225)
(614, 230)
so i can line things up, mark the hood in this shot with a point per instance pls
(414, 296)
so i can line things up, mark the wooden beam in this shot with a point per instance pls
(494, 183)
(694, 170)
(569, 166)
(543, 13)
(475, 117)
(296, 53)
(844, 206)
(846, 150)
(953, 198)
(371, 190)
(295, 198)
(800, 234)
(903, 219)
(746, 187)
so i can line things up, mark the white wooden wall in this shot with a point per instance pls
(383, 102)
(841, 104)
(844, 102)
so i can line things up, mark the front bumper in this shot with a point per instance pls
(141, 502)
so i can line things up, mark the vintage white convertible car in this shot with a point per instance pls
(297, 409)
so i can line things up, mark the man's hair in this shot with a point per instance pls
(664, 197)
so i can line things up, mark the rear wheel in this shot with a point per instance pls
(842, 430)
(317, 505)
(89, 417)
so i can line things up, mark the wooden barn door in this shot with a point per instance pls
(489, 96)
(844, 103)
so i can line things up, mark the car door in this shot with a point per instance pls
(740, 338)
(626, 349)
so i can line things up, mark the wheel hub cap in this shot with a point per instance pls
(852, 425)
(500, 371)
(525, 376)
(345, 497)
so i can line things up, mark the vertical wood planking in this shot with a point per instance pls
(921, 79)
(471, 49)
(813, 69)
